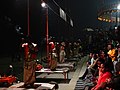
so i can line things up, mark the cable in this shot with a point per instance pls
(65, 12)
(53, 10)
(59, 7)
(55, 3)
(57, 13)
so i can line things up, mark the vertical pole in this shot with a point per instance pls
(116, 18)
(47, 41)
(28, 17)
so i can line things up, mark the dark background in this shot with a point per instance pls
(14, 12)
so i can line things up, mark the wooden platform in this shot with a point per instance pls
(12, 89)
(70, 65)
(63, 71)
(41, 86)
(72, 59)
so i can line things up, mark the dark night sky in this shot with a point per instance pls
(82, 12)
(85, 12)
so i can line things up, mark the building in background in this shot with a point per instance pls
(109, 11)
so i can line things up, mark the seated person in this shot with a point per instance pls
(98, 63)
(97, 70)
(104, 74)
(93, 66)
(114, 83)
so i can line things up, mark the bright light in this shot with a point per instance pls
(118, 7)
(43, 4)
(34, 44)
(115, 27)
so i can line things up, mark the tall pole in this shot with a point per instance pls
(116, 18)
(28, 19)
(47, 35)
(44, 5)
(117, 15)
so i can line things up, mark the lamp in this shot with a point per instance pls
(44, 5)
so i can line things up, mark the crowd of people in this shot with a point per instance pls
(103, 63)
(59, 51)
(104, 67)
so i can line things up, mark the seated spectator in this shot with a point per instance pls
(92, 67)
(118, 53)
(89, 60)
(104, 74)
(110, 64)
(112, 54)
(114, 83)
(105, 56)
(98, 63)
(97, 70)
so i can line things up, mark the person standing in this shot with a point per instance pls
(29, 64)
(62, 53)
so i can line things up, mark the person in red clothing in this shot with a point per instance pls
(29, 64)
(34, 51)
(53, 56)
(104, 75)
(26, 50)
(52, 46)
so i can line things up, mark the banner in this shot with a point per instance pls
(62, 14)
(71, 22)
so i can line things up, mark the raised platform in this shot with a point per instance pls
(70, 65)
(63, 71)
(40, 86)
